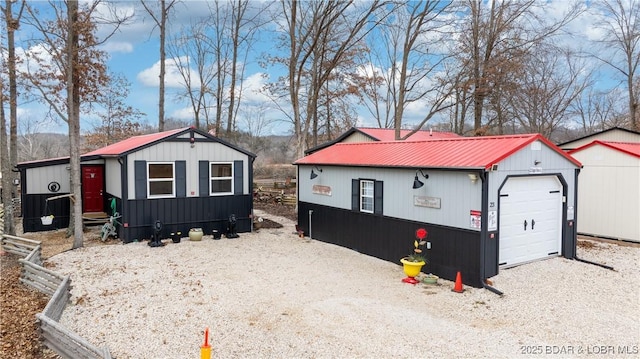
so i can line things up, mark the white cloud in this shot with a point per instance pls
(39, 51)
(253, 86)
(184, 113)
(123, 38)
(151, 75)
(118, 46)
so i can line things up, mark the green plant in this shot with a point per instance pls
(417, 255)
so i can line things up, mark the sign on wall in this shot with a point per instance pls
(475, 219)
(423, 201)
(321, 190)
(493, 220)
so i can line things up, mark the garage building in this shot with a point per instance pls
(486, 202)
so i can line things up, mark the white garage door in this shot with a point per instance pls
(530, 219)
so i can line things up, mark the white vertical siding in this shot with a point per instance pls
(522, 163)
(458, 196)
(609, 193)
(38, 178)
(182, 151)
(456, 192)
(357, 137)
(113, 173)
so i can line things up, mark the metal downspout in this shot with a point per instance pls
(310, 213)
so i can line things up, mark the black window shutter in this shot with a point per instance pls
(355, 195)
(181, 178)
(377, 197)
(140, 178)
(203, 178)
(237, 177)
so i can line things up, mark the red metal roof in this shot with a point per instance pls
(459, 152)
(389, 134)
(132, 143)
(631, 148)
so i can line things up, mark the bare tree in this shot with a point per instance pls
(8, 176)
(598, 110)
(404, 44)
(244, 26)
(160, 18)
(210, 54)
(6, 186)
(117, 119)
(221, 50)
(321, 33)
(191, 47)
(70, 73)
(620, 21)
(73, 116)
(551, 82)
(255, 122)
(34, 144)
(494, 37)
(462, 99)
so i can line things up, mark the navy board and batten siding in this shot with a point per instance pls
(40, 181)
(184, 212)
(388, 233)
(387, 238)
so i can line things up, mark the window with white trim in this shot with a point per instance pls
(161, 179)
(221, 174)
(366, 196)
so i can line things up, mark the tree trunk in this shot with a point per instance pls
(8, 184)
(73, 108)
(6, 181)
(162, 67)
(294, 81)
(633, 105)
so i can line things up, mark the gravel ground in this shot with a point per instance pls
(270, 294)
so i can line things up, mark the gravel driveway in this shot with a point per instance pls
(270, 294)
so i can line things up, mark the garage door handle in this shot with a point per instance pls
(533, 223)
(525, 224)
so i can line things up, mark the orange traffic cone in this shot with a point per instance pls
(458, 287)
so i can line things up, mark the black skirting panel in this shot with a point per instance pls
(390, 239)
(569, 241)
(182, 214)
(35, 206)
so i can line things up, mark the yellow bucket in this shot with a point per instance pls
(205, 352)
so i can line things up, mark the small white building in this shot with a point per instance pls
(609, 191)
(614, 134)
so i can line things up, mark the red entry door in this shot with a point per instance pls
(92, 189)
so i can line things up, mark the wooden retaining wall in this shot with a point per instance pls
(66, 343)
(55, 336)
(39, 278)
(22, 247)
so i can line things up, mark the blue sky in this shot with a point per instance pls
(133, 52)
